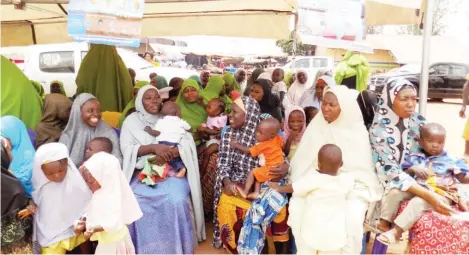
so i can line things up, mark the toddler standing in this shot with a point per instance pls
(113, 205)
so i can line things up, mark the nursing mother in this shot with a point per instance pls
(340, 122)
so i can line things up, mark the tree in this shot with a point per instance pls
(301, 49)
(442, 8)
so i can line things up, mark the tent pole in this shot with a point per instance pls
(427, 36)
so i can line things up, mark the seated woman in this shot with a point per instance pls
(14, 235)
(130, 107)
(340, 123)
(233, 167)
(394, 135)
(55, 117)
(85, 124)
(22, 150)
(170, 207)
(261, 91)
(296, 95)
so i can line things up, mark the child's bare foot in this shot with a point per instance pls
(181, 173)
(253, 195)
(242, 192)
(384, 225)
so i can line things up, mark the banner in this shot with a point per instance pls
(111, 22)
(332, 23)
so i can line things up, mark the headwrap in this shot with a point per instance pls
(286, 127)
(77, 134)
(368, 102)
(296, 93)
(243, 83)
(197, 79)
(61, 85)
(22, 150)
(131, 105)
(353, 65)
(113, 206)
(269, 103)
(51, 125)
(254, 76)
(230, 82)
(59, 204)
(103, 74)
(193, 113)
(213, 89)
(287, 79)
(18, 97)
(394, 138)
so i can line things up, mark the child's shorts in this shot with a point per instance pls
(213, 141)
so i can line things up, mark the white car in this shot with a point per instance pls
(48, 62)
(311, 65)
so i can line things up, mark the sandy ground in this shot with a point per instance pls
(445, 113)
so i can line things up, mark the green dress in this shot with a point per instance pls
(193, 113)
(19, 98)
(103, 74)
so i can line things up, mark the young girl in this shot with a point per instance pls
(294, 127)
(113, 205)
(60, 197)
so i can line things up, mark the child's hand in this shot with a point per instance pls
(200, 100)
(88, 233)
(147, 129)
(30, 209)
(234, 144)
(274, 185)
(79, 227)
(419, 171)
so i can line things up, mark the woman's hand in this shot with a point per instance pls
(279, 171)
(419, 171)
(79, 227)
(157, 160)
(439, 204)
(163, 151)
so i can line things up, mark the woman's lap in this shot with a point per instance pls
(166, 223)
(208, 183)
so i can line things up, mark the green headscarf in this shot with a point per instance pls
(131, 104)
(214, 86)
(39, 88)
(193, 113)
(353, 65)
(61, 85)
(197, 79)
(287, 78)
(103, 74)
(19, 98)
(161, 82)
(230, 82)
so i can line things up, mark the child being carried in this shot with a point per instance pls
(433, 169)
(270, 153)
(169, 131)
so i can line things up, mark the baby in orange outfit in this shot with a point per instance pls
(270, 153)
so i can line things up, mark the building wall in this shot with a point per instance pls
(380, 61)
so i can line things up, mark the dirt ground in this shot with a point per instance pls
(445, 113)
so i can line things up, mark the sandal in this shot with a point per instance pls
(388, 238)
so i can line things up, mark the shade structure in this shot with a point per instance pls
(394, 12)
(45, 21)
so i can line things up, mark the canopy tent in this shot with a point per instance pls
(45, 21)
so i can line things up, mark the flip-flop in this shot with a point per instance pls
(387, 238)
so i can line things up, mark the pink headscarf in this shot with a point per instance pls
(286, 127)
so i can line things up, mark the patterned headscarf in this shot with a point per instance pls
(393, 138)
(286, 127)
(231, 160)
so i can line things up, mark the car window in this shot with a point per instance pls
(442, 69)
(57, 62)
(319, 62)
(458, 70)
(301, 63)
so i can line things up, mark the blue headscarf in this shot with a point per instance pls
(22, 150)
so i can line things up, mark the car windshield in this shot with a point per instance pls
(133, 60)
(409, 68)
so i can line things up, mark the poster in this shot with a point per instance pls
(332, 23)
(111, 22)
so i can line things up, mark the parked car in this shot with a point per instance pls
(48, 62)
(312, 65)
(446, 80)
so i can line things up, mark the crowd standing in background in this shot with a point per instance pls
(326, 157)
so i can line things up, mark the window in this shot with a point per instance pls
(442, 69)
(319, 62)
(301, 63)
(458, 70)
(57, 62)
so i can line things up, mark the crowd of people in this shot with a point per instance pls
(279, 162)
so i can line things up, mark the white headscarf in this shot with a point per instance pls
(310, 98)
(349, 133)
(133, 136)
(59, 204)
(243, 83)
(114, 205)
(296, 92)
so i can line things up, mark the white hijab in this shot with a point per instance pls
(349, 133)
(295, 95)
(59, 204)
(133, 136)
(114, 205)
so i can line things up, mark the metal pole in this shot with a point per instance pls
(427, 35)
(295, 38)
